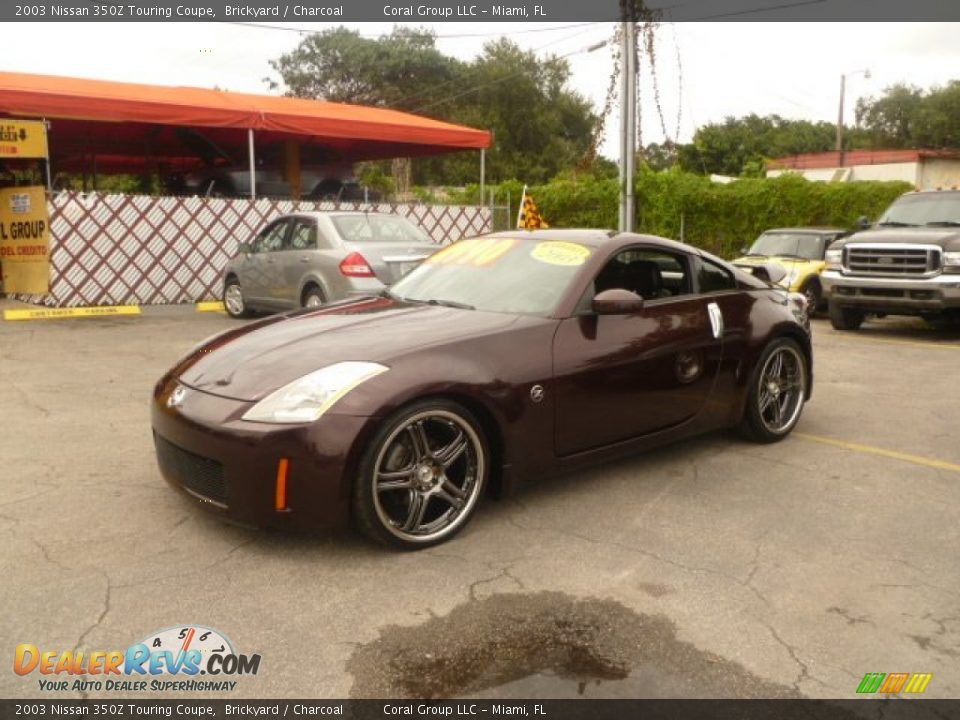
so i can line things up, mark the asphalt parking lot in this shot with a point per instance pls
(711, 568)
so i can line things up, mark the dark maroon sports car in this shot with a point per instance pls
(514, 355)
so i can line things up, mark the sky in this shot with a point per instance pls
(705, 71)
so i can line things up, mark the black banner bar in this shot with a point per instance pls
(290, 12)
(118, 709)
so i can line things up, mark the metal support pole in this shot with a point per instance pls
(253, 164)
(631, 139)
(46, 164)
(621, 221)
(483, 171)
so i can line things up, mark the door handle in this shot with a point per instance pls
(716, 319)
(304, 260)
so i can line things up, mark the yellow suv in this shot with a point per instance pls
(800, 252)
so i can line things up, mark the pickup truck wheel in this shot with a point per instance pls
(778, 390)
(844, 318)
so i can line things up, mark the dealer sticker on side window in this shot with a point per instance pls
(560, 253)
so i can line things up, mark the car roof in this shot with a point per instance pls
(336, 213)
(812, 230)
(594, 237)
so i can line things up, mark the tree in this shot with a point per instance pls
(540, 126)
(908, 117)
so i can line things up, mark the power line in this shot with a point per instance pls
(455, 81)
(475, 88)
(443, 36)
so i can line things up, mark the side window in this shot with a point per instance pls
(713, 278)
(271, 237)
(304, 235)
(651, 273)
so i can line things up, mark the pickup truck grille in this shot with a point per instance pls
(897, 261)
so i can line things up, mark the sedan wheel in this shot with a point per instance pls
(777, 392)
(233, 300)
(423, 475)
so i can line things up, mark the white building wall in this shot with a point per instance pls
(908, 172)
(940, 173)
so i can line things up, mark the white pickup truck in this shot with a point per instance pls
(907, 263)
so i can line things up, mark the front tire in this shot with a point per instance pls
(421, 476)
(233, 301)
(845, 318)
(778, 390)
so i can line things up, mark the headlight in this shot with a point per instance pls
(951, 262)
(833, 258)
(306, 399)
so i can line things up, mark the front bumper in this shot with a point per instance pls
(891, 294)
(230, 466)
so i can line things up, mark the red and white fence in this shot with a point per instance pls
(141, 250)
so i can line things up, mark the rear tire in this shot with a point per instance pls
(313, 297)
(845, 318)
(233, 301)
(778, 391)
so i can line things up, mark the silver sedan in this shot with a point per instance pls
(309, 259)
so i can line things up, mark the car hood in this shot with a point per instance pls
(251, 362)
(909, 235)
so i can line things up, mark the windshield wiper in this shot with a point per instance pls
(792, 255)
(943, 223)
(753, 254)
(896, 223)
(451, 303)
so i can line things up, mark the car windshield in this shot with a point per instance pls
(371, 227)
(929, 208)
(496, 274)
(807, 246)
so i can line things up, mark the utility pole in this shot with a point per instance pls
(628, 122)
(843, 91)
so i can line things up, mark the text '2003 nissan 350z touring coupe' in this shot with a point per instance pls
(514, 355)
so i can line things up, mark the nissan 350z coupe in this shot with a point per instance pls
(505, 357)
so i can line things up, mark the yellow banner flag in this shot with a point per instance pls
(23, 139)
(25, 240)
(530, 217)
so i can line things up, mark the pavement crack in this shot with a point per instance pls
(851, 619)
(103, 613)
(504, 573)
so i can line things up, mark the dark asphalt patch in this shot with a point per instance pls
(523, 641)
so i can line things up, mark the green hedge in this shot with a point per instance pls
(718, 217)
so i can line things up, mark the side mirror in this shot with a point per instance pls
(245, 248)
(744, 250)
(863, 223)
(617, 301)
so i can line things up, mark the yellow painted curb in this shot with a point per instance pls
(210, 306)
(55, 313)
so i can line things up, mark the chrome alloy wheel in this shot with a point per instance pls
(781, 390)
(428, 476)
(313, 301)
(233, 299)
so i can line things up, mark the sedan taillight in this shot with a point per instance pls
(355, 265)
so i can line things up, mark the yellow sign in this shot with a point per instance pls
(560, 253)
(478, 252)
(25, 240)
(23, 139)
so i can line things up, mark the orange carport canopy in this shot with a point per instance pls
(54, 97)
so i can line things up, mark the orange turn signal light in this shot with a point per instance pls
(281, 496)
